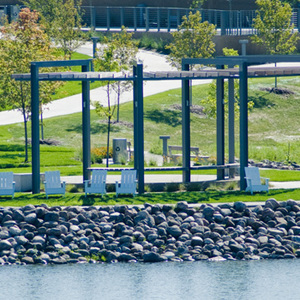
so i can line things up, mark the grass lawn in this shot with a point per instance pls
(272, 135)
(22, 199)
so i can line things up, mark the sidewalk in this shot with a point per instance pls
(177, 178)
(152, 62)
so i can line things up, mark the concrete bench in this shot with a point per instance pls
(194, 153)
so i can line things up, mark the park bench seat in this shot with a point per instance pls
(7, 184)
(97, 185)
(53, 184)
(174, 155)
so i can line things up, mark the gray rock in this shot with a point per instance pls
(18, 215)
(182, 205)
(144, 217)
(4, 234)
(27, 260)
(126, 239)
(263, 239)
(14, 230)
(38, 239)
(208, 212)
(174, 230)
(21, 240)
(239, 206)
(126, 257)
(5, 245)
(30, 218)
(51, 216)
(272, 204)
(153, 257)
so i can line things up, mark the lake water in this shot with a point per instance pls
(268, 279)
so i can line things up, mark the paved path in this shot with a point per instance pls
(73, 104)
(177, 178)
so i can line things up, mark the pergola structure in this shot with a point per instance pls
(243, 72)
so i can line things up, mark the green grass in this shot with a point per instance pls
(272, 135)
(70, 88)
(22, 199)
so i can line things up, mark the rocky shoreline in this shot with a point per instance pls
(152, 233)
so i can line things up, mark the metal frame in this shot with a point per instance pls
(35, 127)
(186, 77)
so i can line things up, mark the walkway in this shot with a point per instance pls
(177, 178)
(152, 62)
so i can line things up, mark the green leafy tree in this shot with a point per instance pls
(22, 42)
(106, 62)
(210, 103)
(68, 23)
(274, 28)
(197, 4)
(47, 12)
(194, 39)
(125, 51)
(62, 20)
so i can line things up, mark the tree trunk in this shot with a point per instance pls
(26, 139)
(25, 123)
(42, 126)
(108, 133)
(118, 107)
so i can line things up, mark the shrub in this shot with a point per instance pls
(98, 153)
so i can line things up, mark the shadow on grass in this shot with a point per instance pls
(96, 128)
(169, 117)
(260, 101)
(13, 147)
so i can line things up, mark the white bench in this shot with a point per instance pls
(7, 184)
(194, 153)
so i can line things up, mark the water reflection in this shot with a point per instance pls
(197, 280)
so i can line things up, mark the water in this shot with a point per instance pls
(269, 279)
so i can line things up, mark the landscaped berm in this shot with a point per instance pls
(152, 233)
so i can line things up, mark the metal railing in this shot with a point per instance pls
(140, 18)
(234, 22)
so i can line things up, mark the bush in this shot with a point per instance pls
(98, 153)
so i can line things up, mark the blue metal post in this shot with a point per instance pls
(243, 123)
(231, 116)
(224, 22)
(158, 19)
(186, 134)
(108, 18)
(35, 129)
(220, 126)
(147, 18)
(138, 110)
(135, 18)
(86, 137)
(122, 16)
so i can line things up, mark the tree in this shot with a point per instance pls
(197, 4)
(106, 62)
(192, 40)
(68, 33)
(125, 50)
(47, 12)
(274, 28)
(62, 21)
(210, 103)
(22, 42)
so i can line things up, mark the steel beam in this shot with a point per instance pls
(220, 127)
(186, 132)
(35, 129)
(86, 126)
(231, 116)
(138, 110)
(243, 123)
